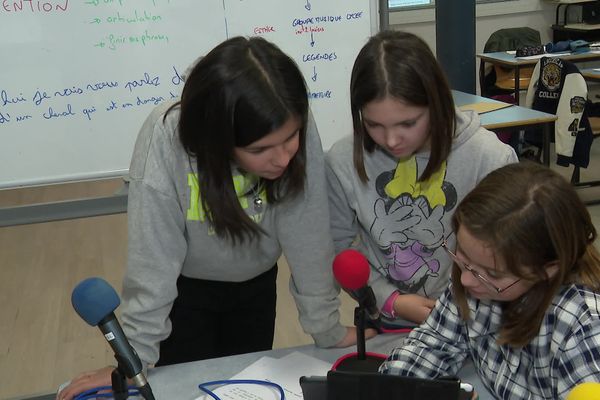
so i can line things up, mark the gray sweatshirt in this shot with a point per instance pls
(168, 236)
(400, 224)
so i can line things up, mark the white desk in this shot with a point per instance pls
(510, 60)
(181, 381)
(591, 74)
(513, 117)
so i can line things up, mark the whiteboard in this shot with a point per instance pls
(78, 78)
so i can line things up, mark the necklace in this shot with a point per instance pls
(256, 200)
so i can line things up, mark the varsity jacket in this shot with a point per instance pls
(557, 87)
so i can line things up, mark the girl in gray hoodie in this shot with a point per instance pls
(220, 184)
(394, 184)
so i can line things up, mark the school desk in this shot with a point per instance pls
(509, 116)
(509, 60)
(180, 381)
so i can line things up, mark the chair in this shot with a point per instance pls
(575, 177)
(557, 87)
(500, 80)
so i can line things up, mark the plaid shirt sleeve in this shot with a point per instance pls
(578, 359)
(435, 349)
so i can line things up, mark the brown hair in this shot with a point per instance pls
(400, 65)
(242, 90)
(532, 218)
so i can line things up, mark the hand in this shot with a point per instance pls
(429, 232)
(413, 307)
(86, 381)
(390, 226)
(350, 337)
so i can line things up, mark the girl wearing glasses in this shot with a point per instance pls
(524, 300)
(396, 183)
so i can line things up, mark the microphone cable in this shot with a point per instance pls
(204, 388)
(93, 393)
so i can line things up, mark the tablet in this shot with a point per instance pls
(314, 387)
(346, 385)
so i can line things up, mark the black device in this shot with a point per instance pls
(349, 385)
(314, 387)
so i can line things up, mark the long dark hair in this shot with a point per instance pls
(400, 65)
(532, 218)
(242, 90)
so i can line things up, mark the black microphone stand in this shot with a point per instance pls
(120, 387)
(119, 384)
(362, 361)
(360, 318)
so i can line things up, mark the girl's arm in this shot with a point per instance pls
(304, 234)
(156, 248)
(156, 242)
(344, 224)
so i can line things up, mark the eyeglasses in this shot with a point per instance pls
(466, 267)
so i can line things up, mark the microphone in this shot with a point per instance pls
(95, 301)
(351, 269)
(585, 391)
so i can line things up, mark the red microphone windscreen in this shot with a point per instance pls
(351, 269)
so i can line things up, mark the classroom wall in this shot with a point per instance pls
(536, 14)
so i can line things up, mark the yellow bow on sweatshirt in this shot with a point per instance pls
(405, 181)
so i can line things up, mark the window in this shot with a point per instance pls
(415, 3)
(408, 3)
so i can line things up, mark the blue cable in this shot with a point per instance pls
(203, 387)
(93, 393)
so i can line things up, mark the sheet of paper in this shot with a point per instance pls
(285, 371)
(484, 106)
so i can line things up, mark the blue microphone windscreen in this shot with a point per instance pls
(93, 299)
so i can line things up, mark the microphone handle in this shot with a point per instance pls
(126, 356)
(124, 352)
(370, 304)
(366, 299)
